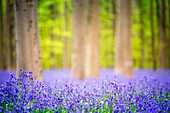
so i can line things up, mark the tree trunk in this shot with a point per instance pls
(123, 55)
(163, 39)
(79, 30)
(162, 32)
(141, 35)
(65, 55)
(152, 35)
(114, 13)
(119, 40)
(169, 33)
(113, 2)
(92, 51)
(27, 37)
(53, 56)
(128, 62)
(106, 44)
(9, 36)
(1, 36)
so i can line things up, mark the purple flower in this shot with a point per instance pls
(30, 72)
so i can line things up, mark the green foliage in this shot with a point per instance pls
(54, 24)
(52, 31)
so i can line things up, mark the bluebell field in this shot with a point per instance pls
(148, 91)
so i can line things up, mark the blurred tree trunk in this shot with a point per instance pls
(162, 32)
(163, 38)
(114, 13)
(53, 66)
(10, 35)
(27, 37)
(106, 43)
(152, 35)
(123, 55)
(141, 35)
(128, 62)
(113, 2)
(169, 34)
(1, 36)
(92, 51)
(65, 55)
(119, 42)
(79, 31)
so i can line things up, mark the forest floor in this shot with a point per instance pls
(148, 91)
(65, 74)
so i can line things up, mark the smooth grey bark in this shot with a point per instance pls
(92, 45)
(28, 53)
(128, 62)
(119, 39)
(79, 30)
(123, 54)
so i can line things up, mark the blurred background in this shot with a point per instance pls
(149, 19)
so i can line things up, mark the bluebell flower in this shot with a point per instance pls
(30, 72)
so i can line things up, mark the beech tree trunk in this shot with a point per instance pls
(161, 19)
(169, 33)
(163, 38)
(119, 39)
(53, 56)
(113, 25)
(123, 55)
(27, 37)
(114, 13)
(79, 31)
(9, 36)
(128, 62)
(92, 50)
(141, 35)
(152, 35)
(1, 36)
(65, 54)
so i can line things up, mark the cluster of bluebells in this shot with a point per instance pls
(23, 94)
